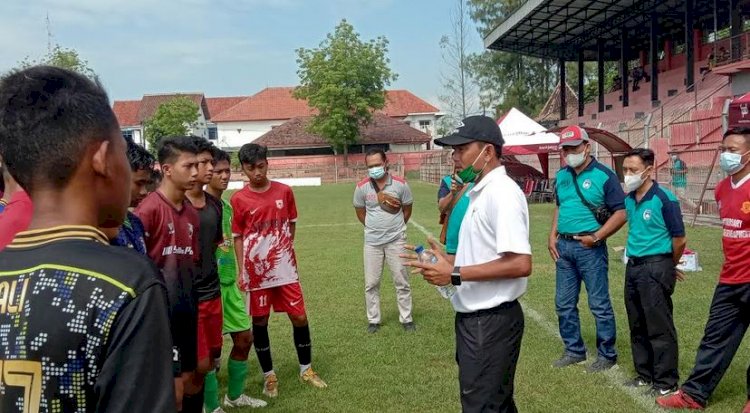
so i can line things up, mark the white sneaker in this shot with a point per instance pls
(244, 401)
(217, 410)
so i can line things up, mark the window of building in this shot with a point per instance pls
(425, 123)
(127, 134)
(213, 133)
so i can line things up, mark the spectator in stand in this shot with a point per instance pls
(616, 82)
(711, 64)
(723, 56)
(638, 74)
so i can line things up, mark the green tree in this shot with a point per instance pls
(344, 79)
(174, 117)
(590, 84)
(65, 58)
(508, 79)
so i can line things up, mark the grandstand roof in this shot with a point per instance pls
(560, 28)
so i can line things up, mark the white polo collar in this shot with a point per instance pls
(497, 172)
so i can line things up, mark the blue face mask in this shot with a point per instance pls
(731, 163)
(376, 172)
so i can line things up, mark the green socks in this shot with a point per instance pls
(211, 392)
(237, 374)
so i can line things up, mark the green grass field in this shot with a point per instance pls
(392, 371)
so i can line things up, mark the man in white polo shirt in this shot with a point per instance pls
(489, 269)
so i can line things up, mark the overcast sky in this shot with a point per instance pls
(221, 47)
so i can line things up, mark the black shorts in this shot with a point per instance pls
(185, 338)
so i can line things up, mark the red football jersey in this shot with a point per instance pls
(172, 242)
(263, 220)
(734, 211)
(15, 218)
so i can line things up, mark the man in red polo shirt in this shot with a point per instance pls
(729, 316)
(17, 211)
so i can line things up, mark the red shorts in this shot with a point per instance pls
(284, 299)
(210, 322)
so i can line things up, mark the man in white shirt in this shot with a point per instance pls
(489, 270)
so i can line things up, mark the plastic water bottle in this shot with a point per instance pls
(427, 256)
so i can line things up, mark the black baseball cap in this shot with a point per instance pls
(473, 129)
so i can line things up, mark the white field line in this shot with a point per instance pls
(339, 224)
(615, 376)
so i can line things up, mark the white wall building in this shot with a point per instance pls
(231, 122)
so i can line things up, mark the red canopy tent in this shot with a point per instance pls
(739, 111)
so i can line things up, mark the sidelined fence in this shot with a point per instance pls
(435, 166)
(696, 194)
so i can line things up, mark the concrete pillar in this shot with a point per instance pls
(580, 83)
(624, 67)
(600, 72)
(563, 91)
(689, 46)
(654, 49)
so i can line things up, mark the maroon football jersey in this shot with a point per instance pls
(172, 242)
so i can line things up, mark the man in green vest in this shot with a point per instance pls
(453, 201)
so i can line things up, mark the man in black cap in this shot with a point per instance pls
(489, 270)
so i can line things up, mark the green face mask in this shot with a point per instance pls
(468, 174)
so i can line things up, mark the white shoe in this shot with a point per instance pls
(244, 401)
(217, 410)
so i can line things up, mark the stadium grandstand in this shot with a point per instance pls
(690, 58)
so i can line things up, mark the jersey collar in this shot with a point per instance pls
(500, 170)
(648, 195)
(740, 183)
(42, 236)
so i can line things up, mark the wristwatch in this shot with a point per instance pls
(456, 276)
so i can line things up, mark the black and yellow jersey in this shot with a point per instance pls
(83, 326)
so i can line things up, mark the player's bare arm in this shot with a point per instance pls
(407, 213)
(360, 214)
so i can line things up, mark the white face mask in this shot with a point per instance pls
(633, 182)
(574, 160)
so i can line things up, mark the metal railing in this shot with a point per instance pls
(666, 116)
(694, 185)
(730, 50)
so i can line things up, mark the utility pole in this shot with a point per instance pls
(49, 34)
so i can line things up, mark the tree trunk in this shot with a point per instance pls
(346, 156)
